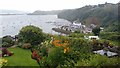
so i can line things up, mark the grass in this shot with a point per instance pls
(21, 57)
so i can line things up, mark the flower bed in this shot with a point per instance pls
(3, 62)
(62, 44)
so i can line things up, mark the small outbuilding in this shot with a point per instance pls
(93, 37)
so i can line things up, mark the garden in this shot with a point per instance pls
(21, 57)
(35, 48)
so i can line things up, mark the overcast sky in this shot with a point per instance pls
(45, 5)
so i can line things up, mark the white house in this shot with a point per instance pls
(77, 24)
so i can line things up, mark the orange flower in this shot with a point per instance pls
(57, 43)
(65, 44)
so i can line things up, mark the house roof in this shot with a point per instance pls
(78, 24)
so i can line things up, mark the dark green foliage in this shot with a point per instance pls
(99, 61)
(43, 50)
(97, 45)
(5, 44)
(80, 49)
(80, 53)
(113, 36)
(113, 27)
(77, 35)
(104, 15)
(31, 34)
(7, 41)
(96, 31)
(53, 56)
(77, 32)
(0, 41)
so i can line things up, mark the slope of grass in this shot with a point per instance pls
(21, 57)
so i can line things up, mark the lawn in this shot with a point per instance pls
(21, 57)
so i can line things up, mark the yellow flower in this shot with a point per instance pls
(3, 62)
(66, 49)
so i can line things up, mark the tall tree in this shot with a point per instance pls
(31, 34)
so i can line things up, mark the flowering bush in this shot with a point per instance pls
(35, 55)
(3, 62)
(26, 45)
(6, 52)
(56, 43)
(62, 44)
(66, 49)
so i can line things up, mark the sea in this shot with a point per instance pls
(12, 24)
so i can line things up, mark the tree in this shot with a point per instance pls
(31, 34)
(96, 31)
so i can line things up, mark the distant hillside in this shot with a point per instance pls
(105, 15)
(38, 12)
(2, 11)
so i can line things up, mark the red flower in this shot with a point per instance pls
(35, 56)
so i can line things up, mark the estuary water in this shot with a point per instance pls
(11, 24)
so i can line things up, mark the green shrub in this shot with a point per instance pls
(77, 35)
(77, 31)
(98, 61)
(5, 44)
(114, 37)
(80, 44)
(43, 50)
(44, 62)
(31, 34)
(96, 31)
(20, 44)
(7, 41)
(81, 49)
(110, 35)
(56, 56)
